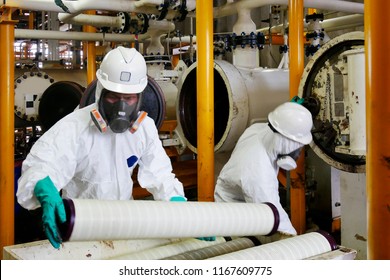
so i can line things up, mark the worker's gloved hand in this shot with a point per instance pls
(180, 198)
(53, 209)
(297, 99)
(211, 238)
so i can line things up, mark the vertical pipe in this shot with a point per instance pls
(378, 129)
(7, 197)
(296, 51)
(31, 19)
(91, 52)
(205, 99)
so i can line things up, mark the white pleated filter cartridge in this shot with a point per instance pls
(89, 219)
(294, 248)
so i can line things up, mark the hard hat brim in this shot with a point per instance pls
(122, 88)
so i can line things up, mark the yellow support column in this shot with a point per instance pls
(90, 51)
(7, 63)
(296, 51)
(31, 19)
(205, 99)
(378, 129)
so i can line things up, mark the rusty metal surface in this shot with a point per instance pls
(324, 84)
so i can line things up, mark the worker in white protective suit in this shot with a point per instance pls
(250, 175)
(92, 152)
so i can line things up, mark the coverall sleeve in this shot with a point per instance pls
(54, 155)
(155, 169)
(260, 184)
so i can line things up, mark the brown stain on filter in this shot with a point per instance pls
(359, 237)
(108, 243)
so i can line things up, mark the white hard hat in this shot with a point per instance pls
(123, 70)
(293, 121)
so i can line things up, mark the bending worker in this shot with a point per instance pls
(251, 173)
(92, 152)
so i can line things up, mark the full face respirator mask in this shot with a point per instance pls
(120, 114)
(288, 162)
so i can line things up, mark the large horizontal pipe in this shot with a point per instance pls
(80, 36)
(332, 5)
(331, 24)
(74, 8)
(86, 36)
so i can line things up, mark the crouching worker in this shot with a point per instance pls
(251, 173)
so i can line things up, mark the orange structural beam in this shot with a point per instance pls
(205, 100)
(7, 119)
(378, 129)
(90, 52)
(296, 52)
(31, 19)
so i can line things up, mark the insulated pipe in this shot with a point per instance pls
(158, 3)
(84, 36)
(93, 20)
(378, 130)
(293, 248)
(205, 100)
(80, 36)
(73, 8)
(332, 24)
(246, 57)
(7, 119)
(90, 219)
(343, 22)
(296, 64)
(158, 28)
(169, 250)
(334, 5)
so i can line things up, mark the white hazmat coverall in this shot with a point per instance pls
(85, 163)
(250, 175)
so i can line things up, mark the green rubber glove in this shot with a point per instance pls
(177, 198)
(53, 209)
(180, 198)
(297, 99)
(211, 238)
